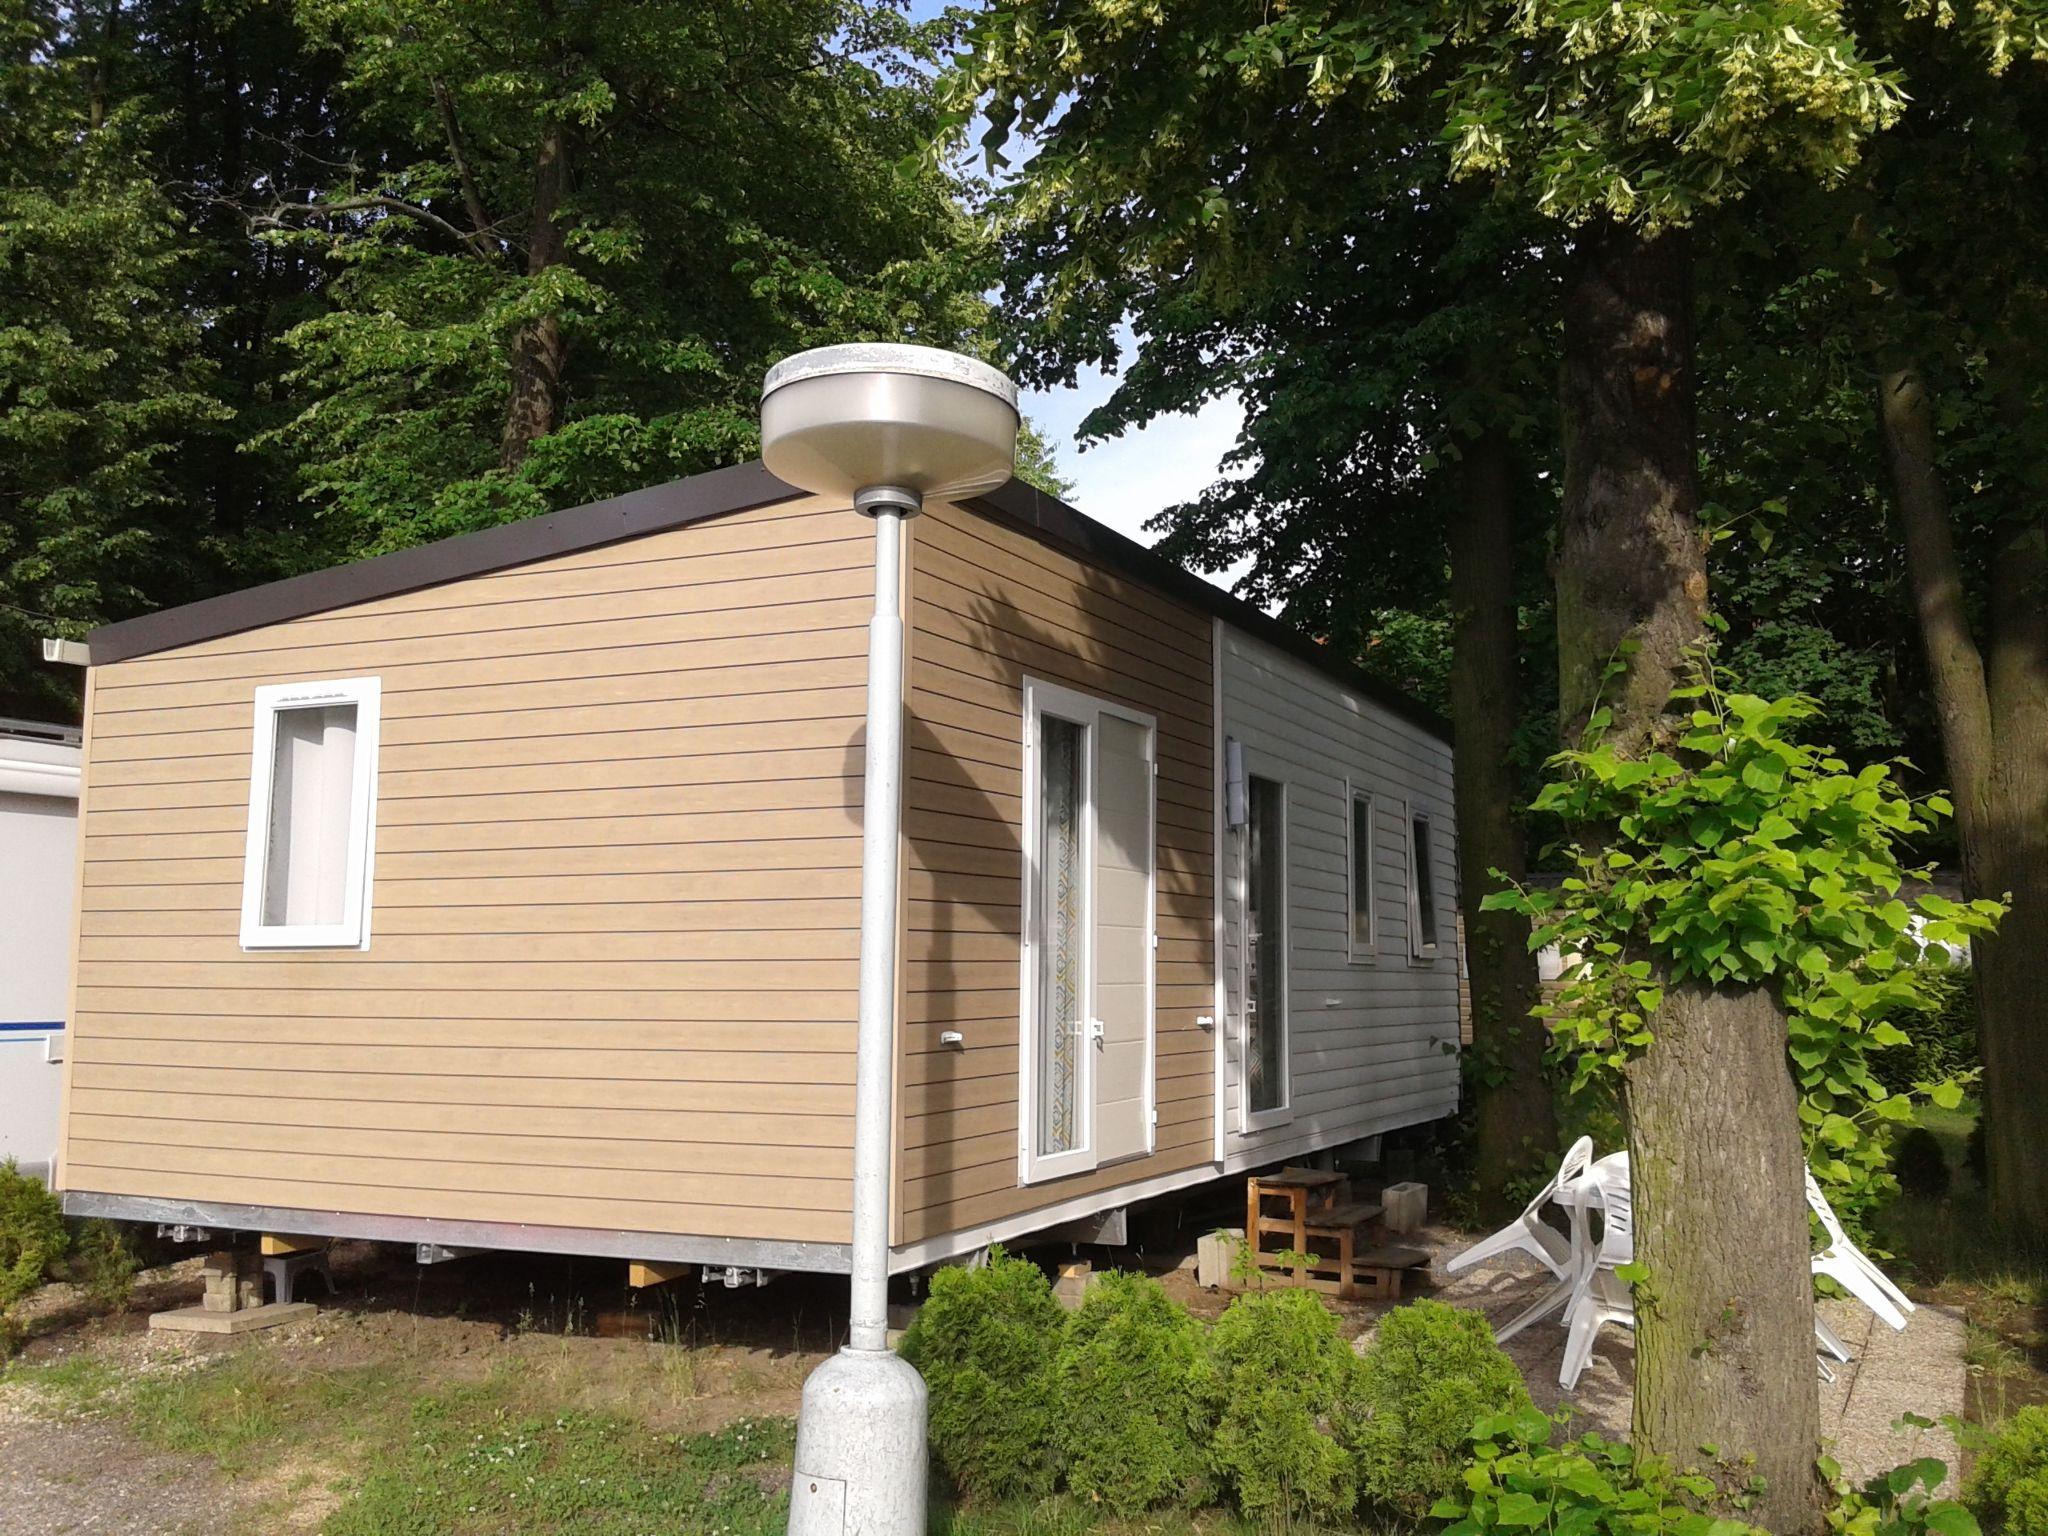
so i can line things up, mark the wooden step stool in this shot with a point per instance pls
(1313, 1210)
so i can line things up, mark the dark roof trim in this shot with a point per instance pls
(653, 510)
(1027, 507)
(675, 505)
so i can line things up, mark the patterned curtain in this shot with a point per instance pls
(1061, 889)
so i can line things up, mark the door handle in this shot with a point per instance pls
(1096, 1031)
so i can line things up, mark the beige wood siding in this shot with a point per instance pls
(611, 980)
(989, 606)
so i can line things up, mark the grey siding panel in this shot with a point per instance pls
(1372, 1046)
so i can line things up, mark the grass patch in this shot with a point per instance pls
(468, 1467)
(77, 1385)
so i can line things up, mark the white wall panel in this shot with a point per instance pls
(1372, 1042)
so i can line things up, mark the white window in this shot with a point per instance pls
(1363, 905)
(312, 815)
(1421, 888)
(1090, 880)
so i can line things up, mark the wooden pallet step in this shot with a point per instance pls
(1342, 1218)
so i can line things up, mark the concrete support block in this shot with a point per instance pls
(232, 1279)
(901, 1316)
(1073, 1283)
(1215, 1253)
(1405, 1207)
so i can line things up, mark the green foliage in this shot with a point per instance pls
(1919, 1163)
(2009, 1487)
(32, 1238)
(661, 269)
(1900, 1502)
(1749, 858)
(1589, 1487)
(1133, 1429)
(103, 1264)
(1431, 1372)
(987, 1342)
(1941, 1040)
(101, 384)
(1282, 1379)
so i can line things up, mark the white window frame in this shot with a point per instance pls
(1369, 953)
(1282, 1113)
(353, 931)
(1420, 953)
(1085, 710)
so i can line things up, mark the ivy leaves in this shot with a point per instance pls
(1745, 857)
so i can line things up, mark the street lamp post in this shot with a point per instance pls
(886, 425)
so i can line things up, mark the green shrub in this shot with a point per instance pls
(1133, 1431)
(103, 1264)
(1281, 1376)
(1431, 1372)
(987, 1340)
(1589, 1486)
(1941, 1043)
(2009, 1489)
(1919, 1164)
(32, 1238)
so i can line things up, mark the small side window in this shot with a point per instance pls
(1421, 889)
(1364, 938)
(312, 816)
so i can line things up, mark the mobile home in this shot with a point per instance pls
(504, 892)
(38, 868)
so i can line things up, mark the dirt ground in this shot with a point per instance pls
(680, 1359)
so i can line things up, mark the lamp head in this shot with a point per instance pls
(838, 421)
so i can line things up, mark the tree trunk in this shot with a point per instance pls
(1724, 1335)
(1994, 736)
(539, 350)
(1515, 1126)
(2012, 964)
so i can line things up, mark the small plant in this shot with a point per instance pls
(1281, 1377)
(1919, 1164)
(1590, 1486)
(1132, 1430)
(103, 1264)
(987, 1341)
(32, 1238)
(1431, 1372)
(2010, 1485)
(1900, 1502)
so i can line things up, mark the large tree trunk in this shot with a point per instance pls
(1994, 736)
(539, 350)
(1724, 1334)
(1515, 1126)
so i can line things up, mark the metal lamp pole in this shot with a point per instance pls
(861, 1461)
(890, 424)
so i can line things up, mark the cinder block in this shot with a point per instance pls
(1215, 1253)
(900, 1318)
(1405, 1207)
(1073, 1283)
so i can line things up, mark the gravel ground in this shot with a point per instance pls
(59, 1477)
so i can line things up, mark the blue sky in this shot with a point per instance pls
(1124, 481)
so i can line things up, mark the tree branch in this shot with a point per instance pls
(274, 217)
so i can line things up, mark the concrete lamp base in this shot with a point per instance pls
(860, 1449)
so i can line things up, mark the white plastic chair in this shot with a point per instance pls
(1600, 1296)
(1529, 1233)
(1845, 1264)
